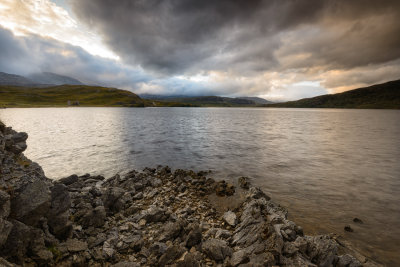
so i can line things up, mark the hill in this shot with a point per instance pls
(207, 101)
(13, 79)
(379, 96)
(65, 95)
(53, 78)
(257, 100)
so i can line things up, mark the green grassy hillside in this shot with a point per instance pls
(58, 96)
(379, 96)
(207, 101)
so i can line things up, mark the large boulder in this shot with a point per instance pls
(216, 249)
(31, 203)
(58, 216)
(4, 204)
(5, 229)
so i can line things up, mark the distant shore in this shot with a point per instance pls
(154, 217)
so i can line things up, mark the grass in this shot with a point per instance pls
(379, 96)
(58, 96)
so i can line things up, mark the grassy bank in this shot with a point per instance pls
(68, 95)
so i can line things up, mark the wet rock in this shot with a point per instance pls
(348, 261)
(322, 250)
(230, 218)
(244, 182)
(357, 220)
(216, 249)
(347, 228)
(32, 202)
(257, 193)
(69, 180)
(224, 189)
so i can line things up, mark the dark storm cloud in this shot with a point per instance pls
(176, 36)
(29, 54)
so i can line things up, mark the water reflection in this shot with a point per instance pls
(326, 166)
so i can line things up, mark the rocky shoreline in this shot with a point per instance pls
(154, 217)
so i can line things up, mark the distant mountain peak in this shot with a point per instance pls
(53, 78)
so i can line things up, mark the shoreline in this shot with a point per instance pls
(154, 217)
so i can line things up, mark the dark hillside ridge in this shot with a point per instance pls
(68, 95)
(379, 96)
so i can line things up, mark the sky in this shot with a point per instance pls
(279, 50)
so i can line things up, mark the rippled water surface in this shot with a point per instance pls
(325, 166)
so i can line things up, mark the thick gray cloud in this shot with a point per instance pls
(189, 36)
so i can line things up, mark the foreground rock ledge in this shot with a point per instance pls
(155, 217)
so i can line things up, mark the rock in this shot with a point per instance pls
(239, 257)
(216, 249)
(222, 233)
(170, 231)
(357, 220)
(58, 216)
(126, 264)
(171, 254)
(5, 229)
(138, 196)
(347, 228)
(32, 203)
(108, 250)
(69, 180)
(5, 263)
(224, 189)
(230, 218)
(74, 245)
(190, 260)
(257, 193)
(112, 199)
(244, 182)
(348, 261)
(154, 214)
(194, 237)
(4, 204)
(95, 217)
(322, 250)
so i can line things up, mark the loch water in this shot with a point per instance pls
(327, 166)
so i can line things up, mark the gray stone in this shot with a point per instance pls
(222, 233)
(230, 218)
(69, 180)
(348, 261)
(170, 231)
(74, 245)
(194, 237)
(58, 216)
(32, 203)
(5, 229)
(216, 249)
(239, 257)
(4, 204)
(171, 254)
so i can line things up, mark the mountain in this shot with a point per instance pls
(53, 78)
(67, 95)
(379, 96)
(12, 79)
(208, 101)
(257, 100)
